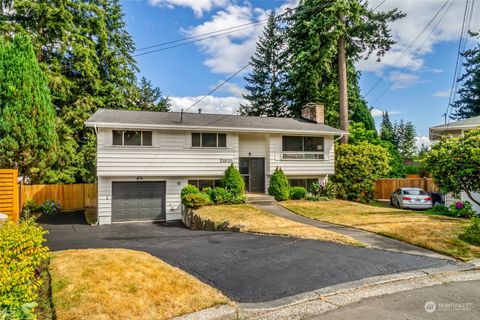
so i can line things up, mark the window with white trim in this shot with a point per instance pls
(132, 138)
(303, 148)
(209, 140)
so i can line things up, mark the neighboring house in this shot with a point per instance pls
(457, 129)
(144, 159)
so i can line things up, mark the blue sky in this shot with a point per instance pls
(186, 73)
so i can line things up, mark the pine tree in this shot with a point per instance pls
(361, 114)
(405, 139)
(386, 129)
(313, 33)
(27, 116)
(87, 55)
(468, 104)
(265, 84)
(150, 98)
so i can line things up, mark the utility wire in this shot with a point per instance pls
(379, 5)
(411, 58)
(458, 62)
(408, 48)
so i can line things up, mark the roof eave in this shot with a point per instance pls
(225, 129)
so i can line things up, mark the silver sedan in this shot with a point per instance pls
(412, 198)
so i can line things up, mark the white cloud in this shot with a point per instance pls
(378, 113)
(211, 104)
(405, 30)
(442, 93)
(404, 80)
(422, 140)
(198, 6)
(233, 88)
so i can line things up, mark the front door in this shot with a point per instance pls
(253, 172)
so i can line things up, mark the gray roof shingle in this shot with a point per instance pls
(107, 117)
(466, 123)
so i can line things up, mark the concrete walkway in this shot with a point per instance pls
(373, 240)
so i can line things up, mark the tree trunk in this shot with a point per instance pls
(469, 194)
(342, 85)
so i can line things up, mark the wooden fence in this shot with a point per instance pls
(70, 196)
(9, 193)
(385, 187)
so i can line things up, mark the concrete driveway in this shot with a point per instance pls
(245, 267)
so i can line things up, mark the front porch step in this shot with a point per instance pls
(261, 199)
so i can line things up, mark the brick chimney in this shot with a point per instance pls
(313, 112)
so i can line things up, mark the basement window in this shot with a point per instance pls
(132, 138)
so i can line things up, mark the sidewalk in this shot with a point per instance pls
(371, 239)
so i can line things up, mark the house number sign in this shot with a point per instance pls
(226, 160)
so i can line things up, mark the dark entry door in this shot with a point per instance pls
(257, 174)
(136, 201)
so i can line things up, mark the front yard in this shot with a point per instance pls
(124, 284)
(434, 232)
(254, 220)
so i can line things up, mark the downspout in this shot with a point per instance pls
(341, 136)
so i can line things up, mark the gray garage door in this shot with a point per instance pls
(136, 201)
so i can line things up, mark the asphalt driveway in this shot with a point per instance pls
(245, 267)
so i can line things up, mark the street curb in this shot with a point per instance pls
(223, 312)
(326, 299)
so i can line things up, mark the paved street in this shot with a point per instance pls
(455, 300)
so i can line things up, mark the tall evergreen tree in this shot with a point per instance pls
(386, 129)
(265, 84)
(405, 139)
(468, 104)
(361, 114)
(27, 116)
(150, 98)
(87, 55)
(313, 34)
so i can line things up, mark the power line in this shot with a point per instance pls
(218, 86)
(411, 58)
(379, 5)
(458, 62)
(408, 48)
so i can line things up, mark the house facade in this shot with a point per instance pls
(144, 159)
(457, 129)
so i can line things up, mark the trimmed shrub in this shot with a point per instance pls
(50, 207)
(233, 181)
(21, 254)
(279, 187)
(189, 189)
(325, 190)
(29, 207)
(196, 200)
(439, 209)
(472, 232)
(357, 168)
(297, 193)
(223, 196)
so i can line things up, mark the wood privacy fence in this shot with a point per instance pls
(9, 204)
(70, 196)
(385, 187)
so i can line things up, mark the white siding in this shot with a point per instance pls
(254, 145)
(170, 155)
(301, 168)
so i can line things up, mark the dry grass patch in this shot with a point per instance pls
(434, 232)
(259, 221)
(124, 284)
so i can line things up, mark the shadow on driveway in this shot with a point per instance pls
(245, 267)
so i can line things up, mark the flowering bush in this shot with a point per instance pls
(461, 210)
(50, 207)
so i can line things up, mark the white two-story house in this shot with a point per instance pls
(144, 159)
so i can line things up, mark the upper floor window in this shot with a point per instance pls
(300, 147)
(209, 140)
(132, 138)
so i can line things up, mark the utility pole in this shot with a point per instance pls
(342, 84)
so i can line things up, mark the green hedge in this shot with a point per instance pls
(233, 181)
(21, 254)
(279, 187)
(297, 193)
